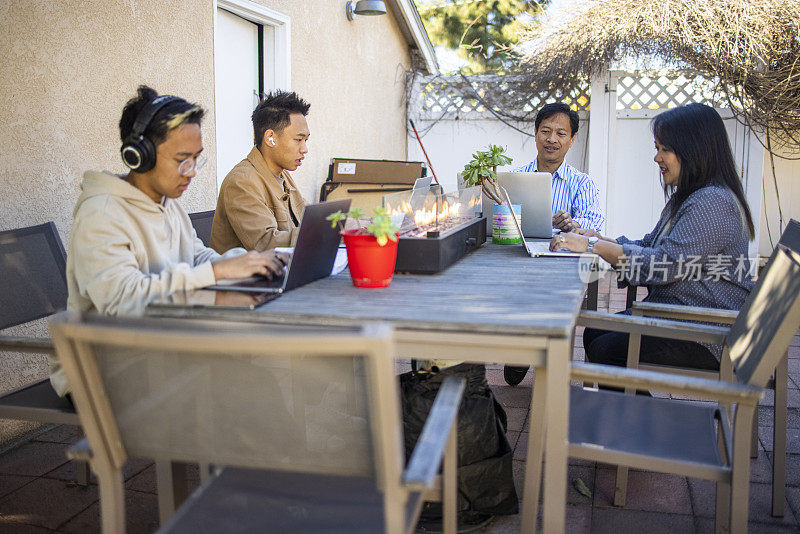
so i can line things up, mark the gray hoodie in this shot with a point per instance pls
(126, 250)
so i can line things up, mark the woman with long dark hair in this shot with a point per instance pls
(697, 253)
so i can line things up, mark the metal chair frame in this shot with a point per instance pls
(790, 239)
(403, 491)
(755, 343)
(38, 401)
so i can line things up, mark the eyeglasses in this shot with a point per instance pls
(192, 164)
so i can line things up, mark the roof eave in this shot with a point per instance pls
(413, 30)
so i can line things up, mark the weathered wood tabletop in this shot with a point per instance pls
(496, 289)
(497, 297)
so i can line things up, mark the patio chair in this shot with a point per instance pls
(202, 221)
(790, 239)
(306, 421)
(683, 437)
(34, 285)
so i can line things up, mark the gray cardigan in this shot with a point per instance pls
(698, 258)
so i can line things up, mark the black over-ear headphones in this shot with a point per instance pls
(137, 151)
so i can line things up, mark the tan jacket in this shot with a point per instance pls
(253, 210)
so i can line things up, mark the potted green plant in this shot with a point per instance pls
(371, 248)
(482, 170)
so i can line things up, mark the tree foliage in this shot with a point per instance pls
(481, 30)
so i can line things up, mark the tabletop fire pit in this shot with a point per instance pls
(436, 229)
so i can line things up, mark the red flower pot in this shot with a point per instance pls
(370, 264)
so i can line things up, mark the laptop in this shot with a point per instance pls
(313, 257)
(534, 191)
(536, 249)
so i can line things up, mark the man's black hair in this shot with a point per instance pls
(173, 115)
(548, 110)
(272, 113)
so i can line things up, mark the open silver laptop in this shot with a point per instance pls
(312, 259)
(535, 249)
(534, 191)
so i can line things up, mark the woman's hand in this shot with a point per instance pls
(588, 232)
(570, 241)
(269, 264)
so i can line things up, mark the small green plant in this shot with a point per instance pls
(482, 169)
(381, 225)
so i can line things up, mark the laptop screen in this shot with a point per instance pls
(317, 242)
(313, 257)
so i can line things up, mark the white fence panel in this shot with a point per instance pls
(451, 143)
(454, 126)
(787, 173)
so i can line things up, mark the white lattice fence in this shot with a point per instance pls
(665, 89)
(487, 96)
(483, 96)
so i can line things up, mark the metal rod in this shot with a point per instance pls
(423, 151)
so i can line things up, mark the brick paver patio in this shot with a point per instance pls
(37, 494)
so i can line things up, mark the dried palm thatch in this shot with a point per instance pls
(749, 48)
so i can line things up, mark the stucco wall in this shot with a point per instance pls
(69, 66)
(353, 74)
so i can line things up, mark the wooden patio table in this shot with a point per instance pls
(495, 305)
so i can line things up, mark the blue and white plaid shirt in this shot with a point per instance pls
(573, 192)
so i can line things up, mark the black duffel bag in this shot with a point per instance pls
(485, 476)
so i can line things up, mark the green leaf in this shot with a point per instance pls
(381, 226)
(336, 217)
(481, 166)
(581, 488)
(356, 213)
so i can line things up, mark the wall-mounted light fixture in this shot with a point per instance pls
(365, 7)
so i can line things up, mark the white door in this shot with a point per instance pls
(236, 63)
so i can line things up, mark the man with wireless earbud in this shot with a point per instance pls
(259, 205)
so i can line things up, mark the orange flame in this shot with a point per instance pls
(423, 217)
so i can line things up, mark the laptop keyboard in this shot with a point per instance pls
(538, 247)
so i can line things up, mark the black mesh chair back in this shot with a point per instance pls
(791, 235)
(790, 238)
(33, 280)
(768, 320)
(202, 221)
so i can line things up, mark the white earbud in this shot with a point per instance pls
(271, 141)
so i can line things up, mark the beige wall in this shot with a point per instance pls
(69, 66)
(353, 74)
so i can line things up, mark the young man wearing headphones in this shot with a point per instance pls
(259, 206)
(131, 240)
